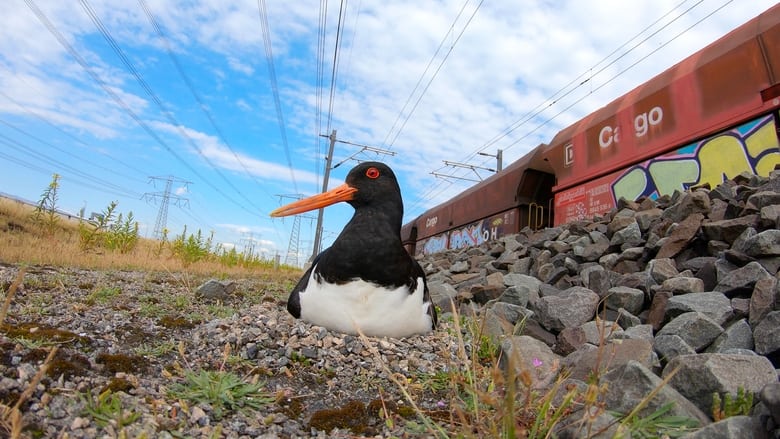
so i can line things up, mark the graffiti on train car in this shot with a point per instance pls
(472, 234)
(751, 147)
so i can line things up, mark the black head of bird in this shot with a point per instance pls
(366, 281)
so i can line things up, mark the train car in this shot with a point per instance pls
(704, 120)
(518, 196)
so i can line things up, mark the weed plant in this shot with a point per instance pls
(727, 406)
(107, 409)
(221, 390)
(45, 214)
(109, 231)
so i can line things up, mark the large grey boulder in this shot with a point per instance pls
(572, 307)
(698, 376)
(632, 382)
(713, 304)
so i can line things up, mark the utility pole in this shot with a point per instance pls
(499, 155)
(318, 230)
(162, 215)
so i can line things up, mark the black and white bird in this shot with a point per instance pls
(366, 280)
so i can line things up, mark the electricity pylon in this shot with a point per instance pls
(162, 215)
(291, 258)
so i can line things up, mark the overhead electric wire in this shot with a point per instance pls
(533, 113)
(632, 65)
(64, 177)
(118, 100)
(65, 151)
(51, 124)
(164, 111)
(354, 35)
(622, 71)
(422, 76)
(552, 100)
(269, 57)
(99, 183)
(319, 87)
(435, 73)
(188, 82)
(335, 67)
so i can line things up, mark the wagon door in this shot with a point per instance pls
(534, 198)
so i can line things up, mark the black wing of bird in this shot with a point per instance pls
(294, 301)
(419, 272)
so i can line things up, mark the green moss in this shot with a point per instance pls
(352, 416)
(407, 412)
(121, 362)
(173, 322)
(118, 385)
(378, 406)
(37, 332)
(291, 407)
(35, 355)
(67, 364)
(133, 336)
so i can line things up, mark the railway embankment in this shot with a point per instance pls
(679, 294)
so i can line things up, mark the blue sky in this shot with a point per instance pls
(192, 97)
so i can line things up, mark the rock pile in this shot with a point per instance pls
(684, 288)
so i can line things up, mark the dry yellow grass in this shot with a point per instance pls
(23, 241)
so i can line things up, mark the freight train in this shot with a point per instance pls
(710, 117)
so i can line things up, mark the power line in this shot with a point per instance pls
(18, 146)
(62, 131)
(335, 69)
(188, 82)
(164, 111)
(555, 98)
(63, 150)
(118, 100)
(38, 159)
(321, 32)
(269, 57)
(422, 76)
(435, 73)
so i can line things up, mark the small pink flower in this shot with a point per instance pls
(537, 362)
(441, 404)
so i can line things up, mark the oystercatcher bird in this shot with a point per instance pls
(366, 280)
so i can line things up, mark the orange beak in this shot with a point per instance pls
(333, 196)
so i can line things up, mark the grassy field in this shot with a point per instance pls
(47, 239)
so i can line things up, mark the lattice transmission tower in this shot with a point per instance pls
(293, 247)
(166, 198)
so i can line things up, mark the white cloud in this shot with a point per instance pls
(225, 158)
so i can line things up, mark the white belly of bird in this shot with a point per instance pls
(375, 310)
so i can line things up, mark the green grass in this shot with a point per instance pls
(107, 410)
(657, 424)
(222, 391)
(103, 295)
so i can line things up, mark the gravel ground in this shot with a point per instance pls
(139, 333)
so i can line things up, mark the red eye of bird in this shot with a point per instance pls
(372, 173)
